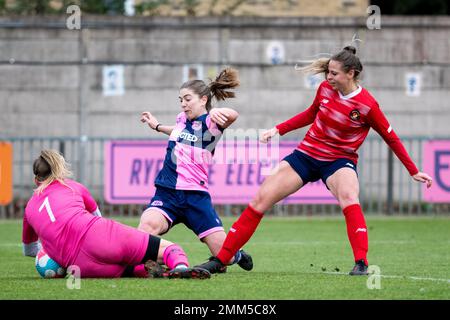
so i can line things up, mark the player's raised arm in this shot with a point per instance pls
(300, 120)
(221, 89)
(269, 134)
(147, 117)
(89, 201)
(380, 124)
(30, 241)
(424, 178)
(223, 117)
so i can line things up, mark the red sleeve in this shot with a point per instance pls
(28, 233)
(379, 123)
(302, 119)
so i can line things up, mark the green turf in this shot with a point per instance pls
(295, 258)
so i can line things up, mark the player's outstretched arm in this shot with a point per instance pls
(30, 240)
(269, 134)
(424, 178)
(223, 117)
(147, 117)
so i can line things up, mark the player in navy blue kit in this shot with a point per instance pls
(182, 184)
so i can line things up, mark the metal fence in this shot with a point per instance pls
(385, 185)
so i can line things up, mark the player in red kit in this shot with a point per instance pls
(341, 115)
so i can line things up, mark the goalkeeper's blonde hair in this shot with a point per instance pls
(48, 167)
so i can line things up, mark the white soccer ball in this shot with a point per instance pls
(47, 267)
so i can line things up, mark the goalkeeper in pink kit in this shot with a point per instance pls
(62, 217)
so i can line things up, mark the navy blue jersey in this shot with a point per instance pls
(189, 153)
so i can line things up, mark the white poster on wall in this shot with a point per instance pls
(413, 83)
(128, 7)
(312, 81)
(113, 82)
(192, 72)
(275, 52)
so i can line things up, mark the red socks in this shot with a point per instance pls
(245, 226)
(357, 231)
(239, 234)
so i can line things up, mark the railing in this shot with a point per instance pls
(385, 185)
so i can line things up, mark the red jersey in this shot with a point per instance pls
(340, 124)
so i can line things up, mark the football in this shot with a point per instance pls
(47, 267)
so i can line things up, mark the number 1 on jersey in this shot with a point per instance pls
(46, 204)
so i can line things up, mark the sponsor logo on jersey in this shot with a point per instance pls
(355, 115)
(325, 101)
(157, 203)
(188, 137)
(361, 230)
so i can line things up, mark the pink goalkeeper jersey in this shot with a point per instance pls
(59, 217)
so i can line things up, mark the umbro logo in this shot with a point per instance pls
(157, 203)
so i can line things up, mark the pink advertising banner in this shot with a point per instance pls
(234, 177)
(437, 165)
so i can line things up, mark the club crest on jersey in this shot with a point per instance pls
(355, 115)
(197, 125)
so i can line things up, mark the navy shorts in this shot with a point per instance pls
(192, 208)
(310, 169)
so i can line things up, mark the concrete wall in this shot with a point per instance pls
(51, 76)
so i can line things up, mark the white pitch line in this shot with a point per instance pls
(325, 272)
(394, 277)
(277, 243)
(280, 243)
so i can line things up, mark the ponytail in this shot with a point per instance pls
(346, 56)
(48, 167)
(227, 79)
(317, 66)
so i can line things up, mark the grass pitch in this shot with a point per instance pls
(295, 258)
